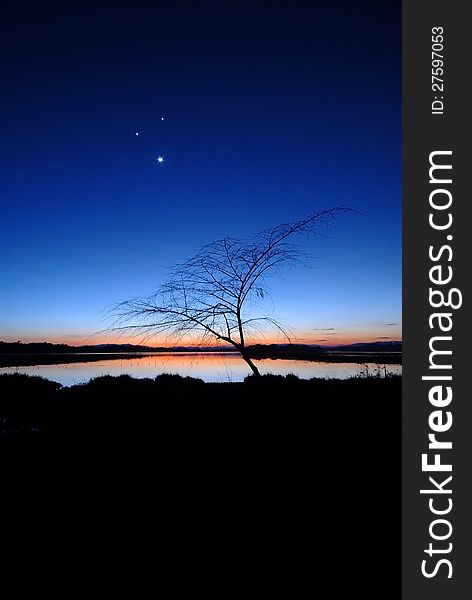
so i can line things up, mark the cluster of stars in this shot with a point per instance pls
(159, 159)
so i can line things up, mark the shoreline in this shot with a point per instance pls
(31, 360)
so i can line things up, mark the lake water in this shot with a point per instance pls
(211, 367)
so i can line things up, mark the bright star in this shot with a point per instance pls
(160, 159)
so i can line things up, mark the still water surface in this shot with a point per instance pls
(211, 367)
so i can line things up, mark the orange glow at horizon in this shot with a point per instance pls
(332, 339)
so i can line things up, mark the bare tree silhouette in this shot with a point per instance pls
(212, 292)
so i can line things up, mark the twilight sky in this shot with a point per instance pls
(272, 110)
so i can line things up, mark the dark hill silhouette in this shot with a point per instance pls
(48, 348)
(173, 488)
(386, 352)
(19, 354)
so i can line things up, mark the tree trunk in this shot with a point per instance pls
(252, 366)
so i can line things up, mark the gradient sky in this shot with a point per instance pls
(273, 110)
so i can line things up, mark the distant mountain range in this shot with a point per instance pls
(48, 348)
(254, 350)
(313, 349)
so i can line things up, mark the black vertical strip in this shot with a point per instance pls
(424, 133)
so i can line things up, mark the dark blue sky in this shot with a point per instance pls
(272, 110)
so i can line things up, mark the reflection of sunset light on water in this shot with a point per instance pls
(211, 367)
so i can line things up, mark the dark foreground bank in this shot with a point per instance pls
(173, 488)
